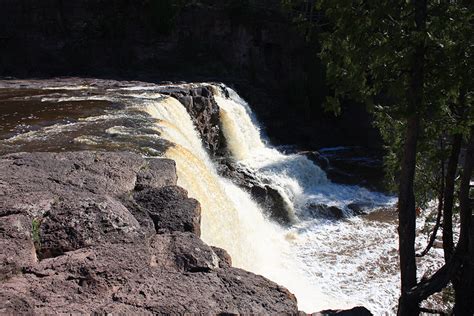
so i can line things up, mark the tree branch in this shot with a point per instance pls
(440, 211)
(432, 311)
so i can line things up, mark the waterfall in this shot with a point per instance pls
(230, 218)
(326, 263)
(333, 254)
(291, 175)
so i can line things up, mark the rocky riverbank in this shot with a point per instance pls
(97, 232)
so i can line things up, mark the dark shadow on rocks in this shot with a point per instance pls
(264, 194)
(356, 311)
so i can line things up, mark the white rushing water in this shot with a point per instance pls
(353, 261)
(230, 218)
(325, 263)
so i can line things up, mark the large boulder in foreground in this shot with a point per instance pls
(96, 232)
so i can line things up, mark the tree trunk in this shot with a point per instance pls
(406, 197)
(464, 284)
(407, 219)
(448, 244)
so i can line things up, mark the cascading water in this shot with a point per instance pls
(295, 176)
(230, 218)
(352, 260)
(325, 263)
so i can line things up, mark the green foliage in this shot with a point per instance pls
(368, 51)
(35, 232)
(301, 14)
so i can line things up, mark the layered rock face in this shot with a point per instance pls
(96, 232)
(204, 111)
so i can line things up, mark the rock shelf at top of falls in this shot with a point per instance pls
(96, 232)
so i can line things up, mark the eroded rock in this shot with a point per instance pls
(157, 173)
(326, 211)
(204, 111)
(78, 235)
(171, 209)
(266, 195)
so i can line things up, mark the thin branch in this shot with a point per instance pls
(440, 208)
(435, 231)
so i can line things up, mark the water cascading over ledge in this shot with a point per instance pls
(326, 262)
(230, 218)
(234, 221)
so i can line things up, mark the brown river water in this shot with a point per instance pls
(326, 263)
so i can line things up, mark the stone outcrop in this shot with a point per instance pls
(267, 196)
(325, 211)
(350, 165)
(96, 232)
(204, 111)
(355, 311)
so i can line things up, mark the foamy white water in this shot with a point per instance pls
(352, 260)
(298, 257)
(230, 218)
(325, 263)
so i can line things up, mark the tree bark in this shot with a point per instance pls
(460, 267)
(407, 220)
(448, 243)
(464, 284)
(406, 197)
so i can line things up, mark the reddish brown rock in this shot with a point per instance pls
(171, 209)
(78, 235)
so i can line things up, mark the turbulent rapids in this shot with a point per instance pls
(327, 263)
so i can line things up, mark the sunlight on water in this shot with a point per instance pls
(348, 260)
(230, 218)
(325, 263)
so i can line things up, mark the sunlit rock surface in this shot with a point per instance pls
(78, 234)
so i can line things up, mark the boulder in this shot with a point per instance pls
(266, 195)
(356, 311)
(318, 159)
(355, 165)
(358, 208)
(171, 209)
(322, 210)
(273, 202)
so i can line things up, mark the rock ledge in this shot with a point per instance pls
(96, 232)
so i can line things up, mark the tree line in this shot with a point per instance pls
(410, 62)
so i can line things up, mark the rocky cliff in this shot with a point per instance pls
(252, 45)
(96, 232)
